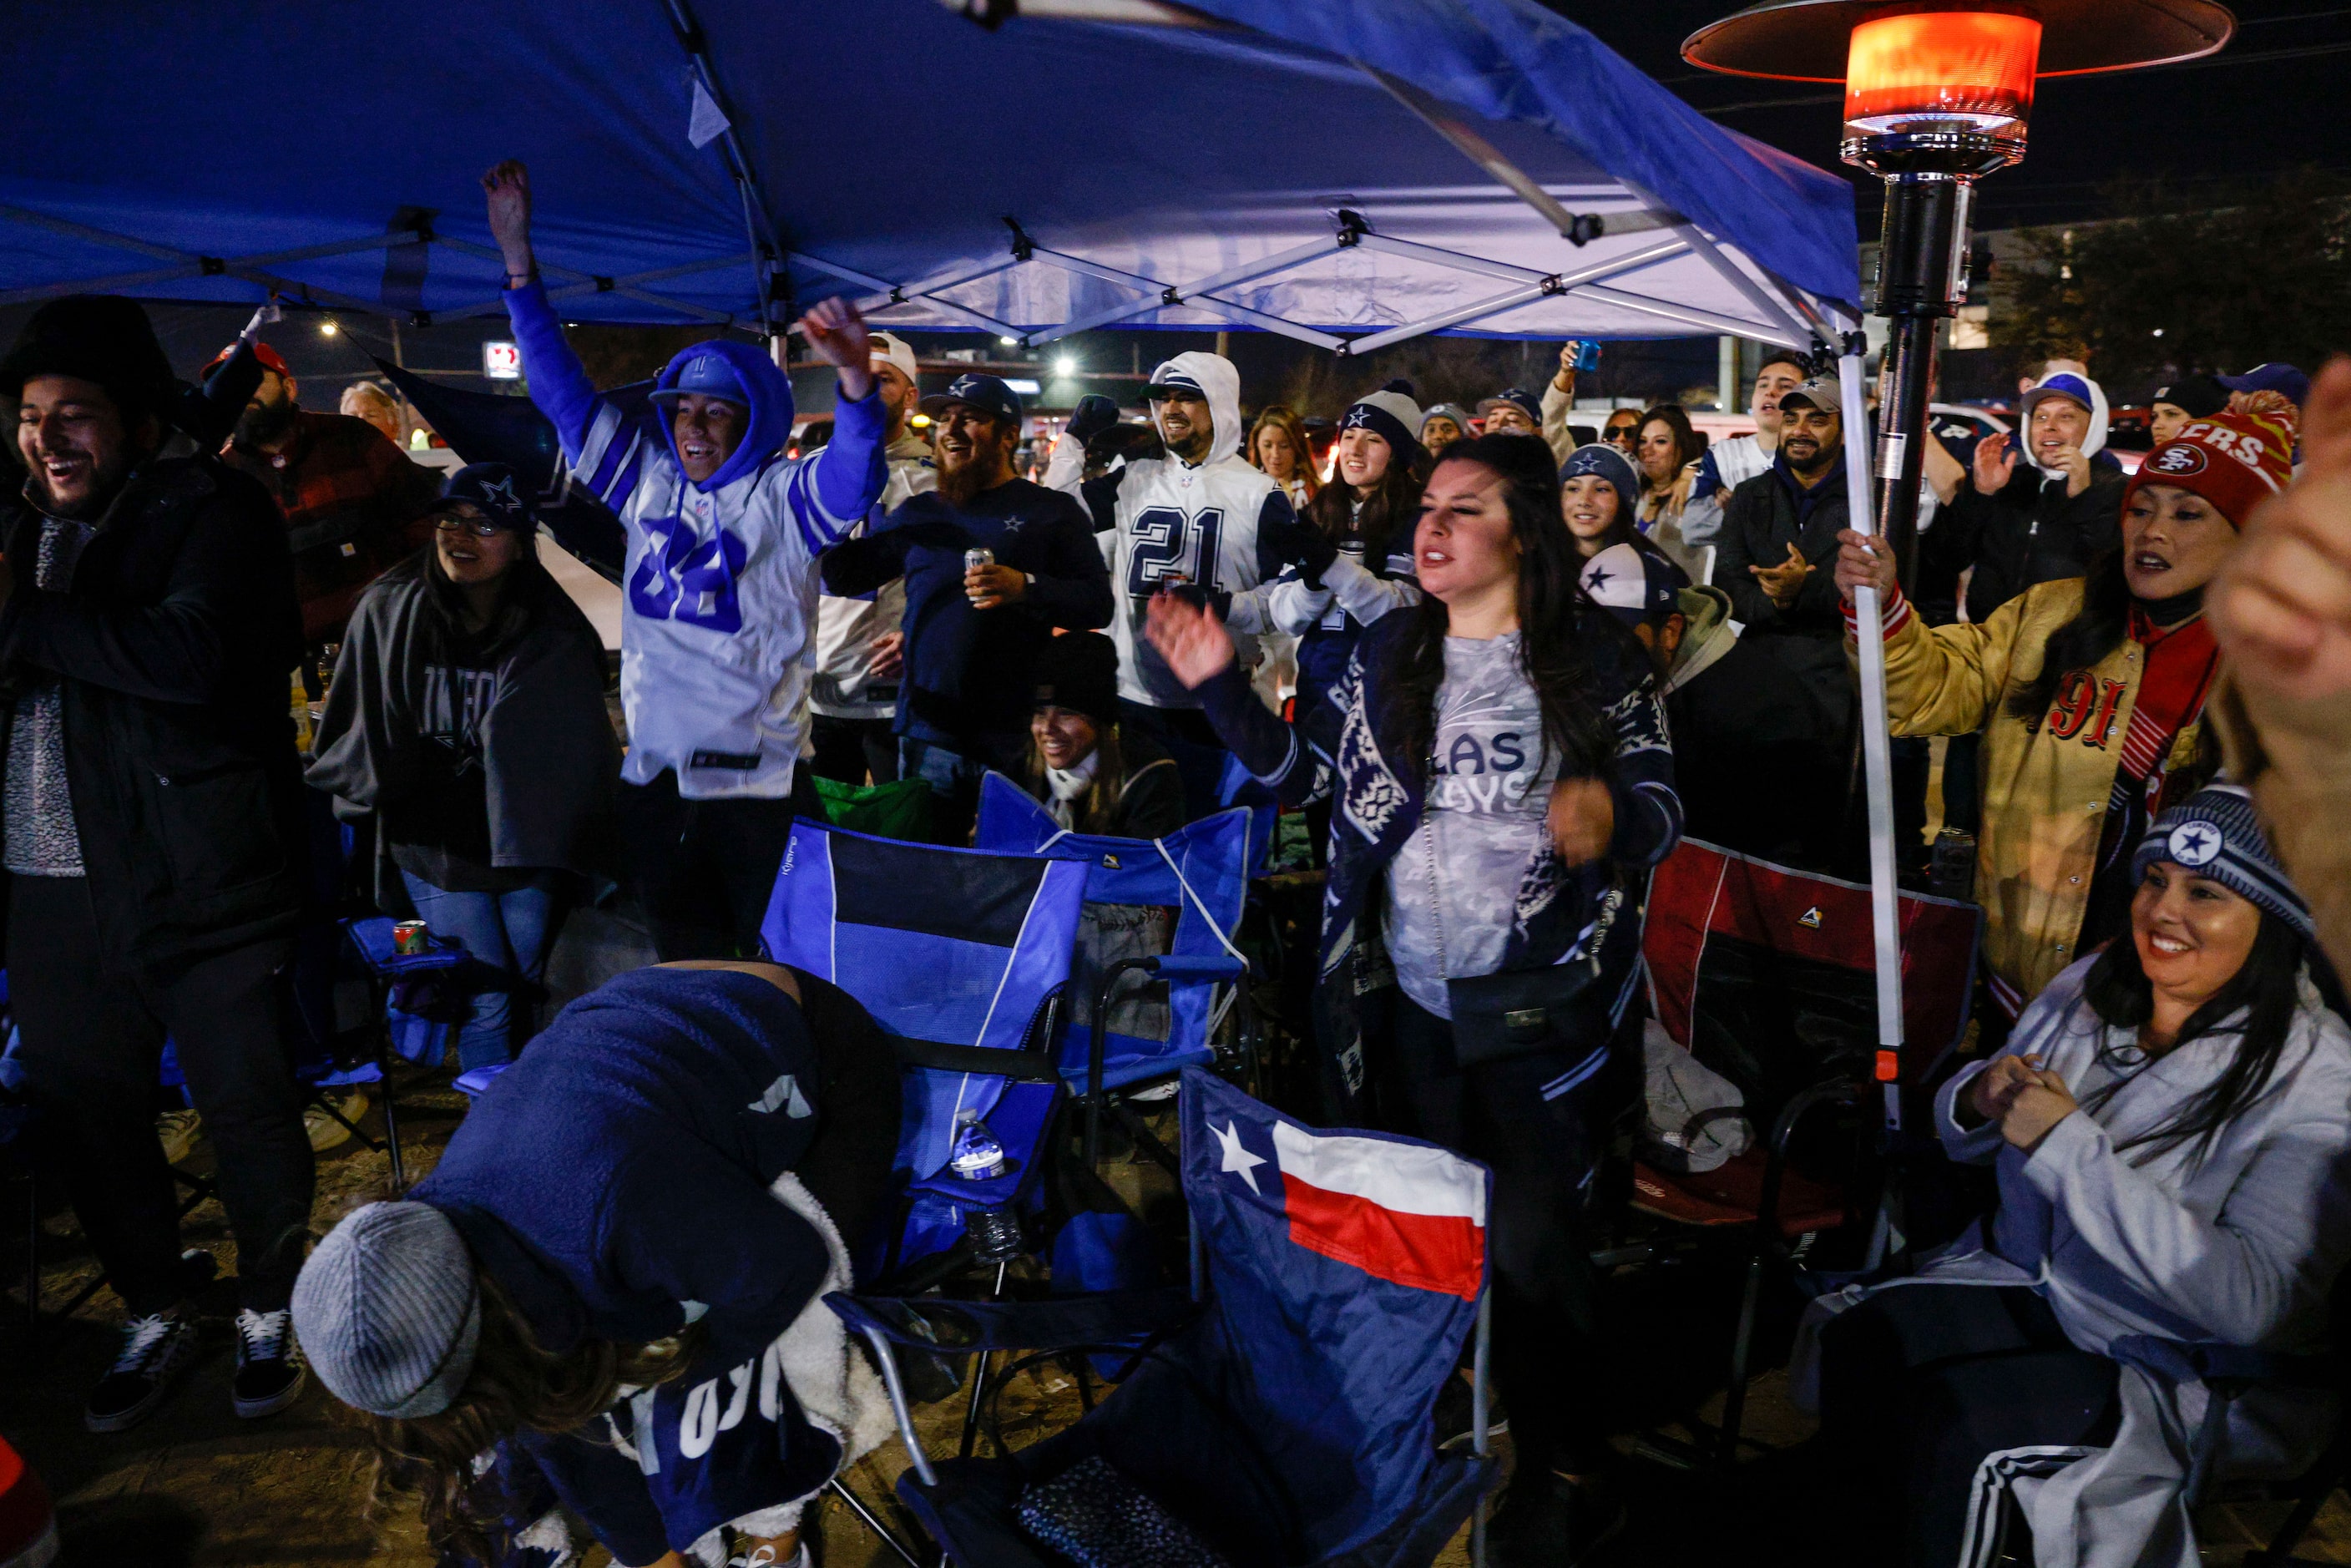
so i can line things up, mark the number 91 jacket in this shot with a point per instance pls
(1164, 521)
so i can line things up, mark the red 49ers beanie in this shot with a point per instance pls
(2233, 460)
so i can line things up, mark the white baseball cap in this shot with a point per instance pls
(889, 348)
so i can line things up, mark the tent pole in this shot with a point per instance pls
(757, 220)
(1876, 746)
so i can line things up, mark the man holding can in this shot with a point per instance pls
(992, 564)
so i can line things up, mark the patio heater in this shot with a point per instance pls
(1936, 96)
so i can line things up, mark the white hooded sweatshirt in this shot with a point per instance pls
(1164, 520)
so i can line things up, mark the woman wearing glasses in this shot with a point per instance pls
(467, 718)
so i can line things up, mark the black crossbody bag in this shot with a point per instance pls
(1521, 1012)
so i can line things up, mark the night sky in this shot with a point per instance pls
(2272, 99)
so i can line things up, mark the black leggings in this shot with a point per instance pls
(704, 869)
(1545, 1291)
(1918, 1383)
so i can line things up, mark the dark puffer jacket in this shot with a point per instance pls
(176, 645)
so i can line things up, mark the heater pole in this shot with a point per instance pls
(1919, 281)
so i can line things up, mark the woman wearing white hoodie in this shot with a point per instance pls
(2036, 516)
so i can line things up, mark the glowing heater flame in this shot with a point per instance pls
(1966, 70)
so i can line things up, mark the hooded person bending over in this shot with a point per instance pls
(719, 600)
(594, 1281)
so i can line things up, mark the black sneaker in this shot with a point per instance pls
(155, 1350)
(269, 1371)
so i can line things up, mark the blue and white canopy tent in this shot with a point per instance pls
(1278, 164)
(1349, 172)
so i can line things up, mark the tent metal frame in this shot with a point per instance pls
(1783, 315)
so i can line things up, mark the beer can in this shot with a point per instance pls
(978, 556)
(410, 937)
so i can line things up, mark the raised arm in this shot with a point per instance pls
(852, 469)
(1200, 652)
(1941, 680)
(559, 383)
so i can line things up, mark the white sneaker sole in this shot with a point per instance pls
(254, 1409)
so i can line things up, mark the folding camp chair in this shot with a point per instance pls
(418, 1036)
(1767, 976)
(1114, 1042)
(962, 958)
(1285, 1412)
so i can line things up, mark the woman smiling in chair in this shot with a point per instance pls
(2168, 1125)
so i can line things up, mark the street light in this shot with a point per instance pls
(1938, 95)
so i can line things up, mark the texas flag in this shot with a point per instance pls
(1345, 1271)
(1406, 1212)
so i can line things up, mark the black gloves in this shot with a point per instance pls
(1093, 415)
(1301, 544)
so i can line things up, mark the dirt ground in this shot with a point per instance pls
(194, 1485)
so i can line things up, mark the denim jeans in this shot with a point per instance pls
(507, 931)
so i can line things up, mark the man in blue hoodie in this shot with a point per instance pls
(719, 588)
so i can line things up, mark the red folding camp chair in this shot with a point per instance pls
(1768, 977)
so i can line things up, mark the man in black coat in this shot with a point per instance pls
(1777, 547)
(974, 631)
(151, 833)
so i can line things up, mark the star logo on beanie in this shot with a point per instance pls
(2193, 844)
(502, 489)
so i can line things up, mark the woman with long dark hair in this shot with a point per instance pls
(2174, 1161)
(467, 718)
(1501, 779)
(2090, 693)
(593, 1282)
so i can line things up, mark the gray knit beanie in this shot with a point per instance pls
(387, 1310)
(2216, 833)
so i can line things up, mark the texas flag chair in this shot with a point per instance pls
(1283, 1413)
(1119, 1035)
(962, 958)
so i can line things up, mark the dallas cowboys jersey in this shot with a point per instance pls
(1163, 521)
(719, 591)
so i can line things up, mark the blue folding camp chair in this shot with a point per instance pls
(1283, 1413)
(962, 958)
(1201, 872)
(417, 1036)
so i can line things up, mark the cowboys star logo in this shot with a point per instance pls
(2193, 844)
(502, 490)
(2178, 460)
